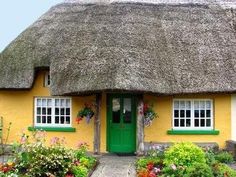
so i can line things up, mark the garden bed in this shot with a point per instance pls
(185, 160)
(32, 157)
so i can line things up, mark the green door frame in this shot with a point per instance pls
(108, 115)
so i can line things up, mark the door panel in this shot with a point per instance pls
(121, 123)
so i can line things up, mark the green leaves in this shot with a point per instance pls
(184, 154)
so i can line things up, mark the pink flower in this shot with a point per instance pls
(55, 140)
(157, 170)
(23, 139)
(173, 166)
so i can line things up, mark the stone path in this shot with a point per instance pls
(115, 166)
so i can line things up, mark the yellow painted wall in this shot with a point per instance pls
(163, 106)
(17, 107)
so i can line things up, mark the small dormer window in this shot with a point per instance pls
(47, 80)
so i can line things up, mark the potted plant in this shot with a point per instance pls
(86, 112)
(148, 114)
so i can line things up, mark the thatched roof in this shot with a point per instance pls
(165, 48)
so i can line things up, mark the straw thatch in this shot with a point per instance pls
(159, 48)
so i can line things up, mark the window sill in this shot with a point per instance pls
(193, 132)
(53, 129)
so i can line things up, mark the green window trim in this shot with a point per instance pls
(193, 132)
(53, 129)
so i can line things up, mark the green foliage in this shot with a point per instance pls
(80, 171)
(184, 154)
(37, 159)
(173, 171)
(224, 157)
(87, 110)
(210, 157)
(198, 170)
(144, 161)
(185, 160)
(223, 170)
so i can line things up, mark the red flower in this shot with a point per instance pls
(150, 166)
(152, 174)
(78, 119)
(145, 107)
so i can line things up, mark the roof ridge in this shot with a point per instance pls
(222, 3)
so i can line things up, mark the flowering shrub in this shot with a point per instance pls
(148, 114)
(182, 160)
(86, 112)
(36, 159)
(184, 154)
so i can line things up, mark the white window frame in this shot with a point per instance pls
(53, 124)
(192, 115)
(47, 79)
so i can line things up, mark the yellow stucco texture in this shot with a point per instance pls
(157, 132)
(18, 107)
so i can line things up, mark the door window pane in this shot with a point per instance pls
(127, 110)
(115, 110)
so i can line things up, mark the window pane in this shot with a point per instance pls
(57, 102)
(196, 104)
(44, 111)
(49, 120)
(182, 123)
(38, 119)
(57, 119)
(67, 102)
(62, 119)
(208, 113)
(38, 110)
(49, 111)
(67, 111)
(62, 111)
(57, 111)
(182, 104)
(44, 102)
(188, 122)
(127, 110)
(39, 102)
(63, 103)
(188, 105)
(116, 110)
(202, 113)
(208, 122)
(202, 104)
(68, 120)
(196, 122)
(188, 113)
(176, 122)
(43, 119)
(196, 113)
(202, 122)
(49, 102)
(176, 112)
(208, 105)
(176, 104)
(182, 113)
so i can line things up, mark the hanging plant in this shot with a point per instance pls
(148, 114)
(86, 112)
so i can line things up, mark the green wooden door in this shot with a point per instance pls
(121, 124)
